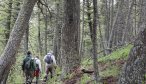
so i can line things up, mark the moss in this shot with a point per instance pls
(121, 53)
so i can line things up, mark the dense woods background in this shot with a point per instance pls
(95, 35)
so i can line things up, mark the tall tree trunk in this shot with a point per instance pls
(89, 17)
(8, 56)
(140, 22)
(57, 36)
(81, 53)
(56, 32)
(26, 39)
(46, 31)
(107, 20)
(70, 36)
(39, 33)
(94, 40)
(107, 27)
(134, 68)
(137, 25)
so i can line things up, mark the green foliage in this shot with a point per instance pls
(110, 71)
(86, 63)
(110, 67)
(85, 78)
(55, 79)
(121, 53)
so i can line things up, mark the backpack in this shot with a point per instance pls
(30, 65)
(48, 59)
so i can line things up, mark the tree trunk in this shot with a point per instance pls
(46, 30)
(26, 39)
(70, 36)
(82, 32)
(8, 56)
(94, 40)
(39, 34)
(90, 24)
(108, 30)
(107, 20)
(57, 36)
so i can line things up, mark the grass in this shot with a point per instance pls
(85, 78)
(121, 53)
(112, 68)
(110, 71)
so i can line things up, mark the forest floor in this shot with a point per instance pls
(110, 67)
(109, 79)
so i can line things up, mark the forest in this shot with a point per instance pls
(73, 41)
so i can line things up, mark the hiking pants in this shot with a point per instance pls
(50, 68)
(29, 76)
(37, 74)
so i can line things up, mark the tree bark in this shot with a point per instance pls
(57, 32)
(46, 29)
(90, 23)
(39, 33)
(81, 53)
(70, 36)
(26, 39)
(16, 35)
(94, 40)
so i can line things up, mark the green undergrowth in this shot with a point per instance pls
(110, 71)
(121, 53)
(110, 63)
(85, 78)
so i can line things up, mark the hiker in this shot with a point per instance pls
(50, 61)
(28, 67)
(38, 69)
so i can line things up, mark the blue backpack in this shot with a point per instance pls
(48, 59)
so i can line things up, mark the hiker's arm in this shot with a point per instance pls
(54, 61)
(44, 58)
(40, 67)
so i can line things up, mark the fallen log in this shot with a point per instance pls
(87, 71)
